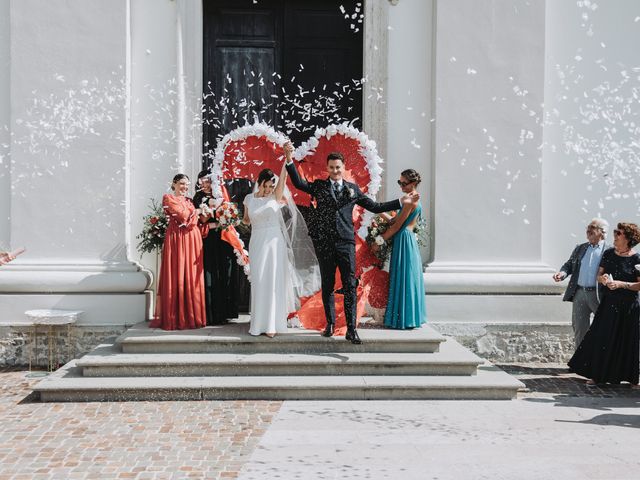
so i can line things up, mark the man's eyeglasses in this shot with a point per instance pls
(617, 232)
(404, 184)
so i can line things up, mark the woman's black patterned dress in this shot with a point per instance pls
(609, 351)
(219, 273)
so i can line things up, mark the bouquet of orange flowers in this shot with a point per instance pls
(227, 215)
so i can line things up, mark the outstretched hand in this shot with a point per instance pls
(410, 198)
(6, 257)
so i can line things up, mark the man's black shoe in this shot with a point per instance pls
(352, 336)
(328, 331)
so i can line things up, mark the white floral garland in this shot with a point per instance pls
(257, 129)
(368, 150)
(240, 258)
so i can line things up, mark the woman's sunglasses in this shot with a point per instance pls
(404, 184)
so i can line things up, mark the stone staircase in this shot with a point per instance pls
(226, 363)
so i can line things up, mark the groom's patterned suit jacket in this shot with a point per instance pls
(332, 219)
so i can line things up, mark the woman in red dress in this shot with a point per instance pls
(181, 303)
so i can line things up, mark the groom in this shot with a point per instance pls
(331, 228)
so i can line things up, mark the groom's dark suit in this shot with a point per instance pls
(331, 229)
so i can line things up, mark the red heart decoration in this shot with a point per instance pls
(244, 152)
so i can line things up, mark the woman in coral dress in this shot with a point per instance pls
(181, 301)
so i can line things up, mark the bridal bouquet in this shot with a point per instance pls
(153, 229)
(228, 215)
(374, 237)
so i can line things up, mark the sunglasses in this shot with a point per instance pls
(404, 184)
(617, 232)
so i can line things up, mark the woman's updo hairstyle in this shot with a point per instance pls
(265, 176)
(412, 176)
(177, 178)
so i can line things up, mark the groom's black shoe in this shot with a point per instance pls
(352, 336)
(328, 331)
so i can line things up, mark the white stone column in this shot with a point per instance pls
(409, 97)
(166, 93)
(69, 171)
(489, 90)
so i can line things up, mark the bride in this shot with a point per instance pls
(278, 277)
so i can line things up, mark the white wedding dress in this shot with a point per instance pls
(270, 275)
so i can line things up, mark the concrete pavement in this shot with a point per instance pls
(559, 429)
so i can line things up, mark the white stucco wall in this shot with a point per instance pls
(69, 171)
(466, 83)
(489, 91)
(68, 117)
(592, 149)
(5, 68)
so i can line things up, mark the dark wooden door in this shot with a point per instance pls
(294, 64)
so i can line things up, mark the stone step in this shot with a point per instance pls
(68, 385)
(108, 361)
(234, 338)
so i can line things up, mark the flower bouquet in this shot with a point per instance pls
(153, 230)
(227, 215)
(421, 232)
(374, 237)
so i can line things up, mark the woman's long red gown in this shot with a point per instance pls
(181, 301)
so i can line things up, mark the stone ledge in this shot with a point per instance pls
(67, 384)
(15, 342)
(513, 342)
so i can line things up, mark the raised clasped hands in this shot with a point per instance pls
(288, 151)
(410, 198)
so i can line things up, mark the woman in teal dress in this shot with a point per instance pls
(406, 306)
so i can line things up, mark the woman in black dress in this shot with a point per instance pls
(219, 263)
(609, 351)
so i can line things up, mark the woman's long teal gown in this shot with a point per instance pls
(406, 307)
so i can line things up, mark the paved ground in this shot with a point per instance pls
(558, 429)
(140, 440)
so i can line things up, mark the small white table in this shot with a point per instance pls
(51, 319)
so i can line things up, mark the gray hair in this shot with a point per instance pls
(602, 224)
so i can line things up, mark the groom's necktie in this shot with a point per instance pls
(336, 188)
